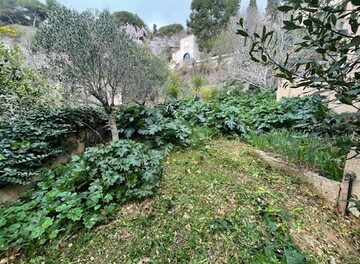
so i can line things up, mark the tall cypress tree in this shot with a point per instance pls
(208, 18)
(252, 6)
(271, 9)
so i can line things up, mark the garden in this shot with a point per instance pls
(91, 188)
(169, 173)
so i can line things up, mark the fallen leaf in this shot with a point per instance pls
(221, 211)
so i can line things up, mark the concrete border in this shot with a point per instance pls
(327, 189)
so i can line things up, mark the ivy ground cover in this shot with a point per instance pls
(218, 203)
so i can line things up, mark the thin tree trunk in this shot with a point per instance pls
(113, 127)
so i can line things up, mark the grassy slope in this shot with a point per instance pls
(216, 204)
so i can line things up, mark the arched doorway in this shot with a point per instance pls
(187, 57)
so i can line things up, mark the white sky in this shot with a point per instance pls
(160, 12)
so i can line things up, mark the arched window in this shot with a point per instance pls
(187, 57)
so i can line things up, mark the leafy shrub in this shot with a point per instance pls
(8, 30)
(259, 112)
(150, 124)
(81, 193)
(197, 82)
(20, 86)
(303, 149)
(36, 137)
(173, 86)
(209, 93)
(201, 135)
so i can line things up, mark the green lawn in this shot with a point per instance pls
(217, 204)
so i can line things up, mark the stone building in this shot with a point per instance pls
(187, 52)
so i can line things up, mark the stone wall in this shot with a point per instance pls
(76, 145)
(285, 91)
(327, 189)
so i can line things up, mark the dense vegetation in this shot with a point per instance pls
(35, 138)
(20, 87)
(86, 191)
(27, 13)
(81, 193)
(128, 168)
(125, 17)
(304, 149)
(330, 34)
(169, 30)
(208, 18)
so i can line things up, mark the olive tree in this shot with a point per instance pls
(96, 57)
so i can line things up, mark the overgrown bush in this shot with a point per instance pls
(150, 124)
(173, 86)
(259, 112)
(81, 193)
(36, 137)
(21, 87)
(209, 93)
(198, 82)
(8, 30)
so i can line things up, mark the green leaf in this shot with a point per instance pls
(241, 22)
(90, 222)
(354, 42)
(242, 33)
(355, 2)
(294, 256)
(353, 92)
(308, 22)
(2, 222)
(54, 234)
(75, 214)
(285, 8)
(289, 25)
(317, 79)
(48, 222)
(63, 208)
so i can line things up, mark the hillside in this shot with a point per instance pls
(24, 41)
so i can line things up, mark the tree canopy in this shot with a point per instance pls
(24, 12)
(208, 18)
(170, 30)
(125, 17)
(97, 58)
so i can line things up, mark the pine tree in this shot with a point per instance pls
(155, 30)
(208, 18)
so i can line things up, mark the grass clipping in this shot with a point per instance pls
(218, 204)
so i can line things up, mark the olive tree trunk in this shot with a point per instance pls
(112, 124)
